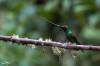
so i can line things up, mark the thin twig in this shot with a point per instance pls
(40, 42)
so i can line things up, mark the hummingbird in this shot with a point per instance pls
(71, 38)
(70, 35)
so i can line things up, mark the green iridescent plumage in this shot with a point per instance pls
(70, 35)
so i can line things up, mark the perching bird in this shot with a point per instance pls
(69, 34)
(71, 37)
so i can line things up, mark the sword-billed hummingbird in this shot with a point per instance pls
(70, 35)
(71, 38)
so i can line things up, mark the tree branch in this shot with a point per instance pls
(40, 42)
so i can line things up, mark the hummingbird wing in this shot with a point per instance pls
(73, 38)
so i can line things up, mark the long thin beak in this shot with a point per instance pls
(55, 24)
(62, 27)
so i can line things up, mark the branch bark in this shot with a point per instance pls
(40, 42)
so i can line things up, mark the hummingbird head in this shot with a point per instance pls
(64, 27)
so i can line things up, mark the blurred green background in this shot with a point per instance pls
(29, 18)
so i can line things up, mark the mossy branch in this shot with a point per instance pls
(40, 42)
